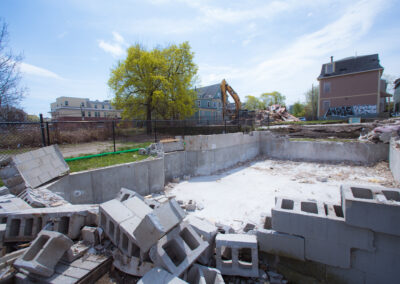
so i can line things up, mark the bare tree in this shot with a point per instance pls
(11, 91)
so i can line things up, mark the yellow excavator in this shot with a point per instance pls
(224, 88)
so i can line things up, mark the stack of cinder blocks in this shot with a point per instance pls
(148, 237)
(32, 169)
(358, 240)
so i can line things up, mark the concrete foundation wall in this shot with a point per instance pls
(322, 151)
(394, 160)
(100, 185)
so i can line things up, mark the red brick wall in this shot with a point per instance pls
(349, 90)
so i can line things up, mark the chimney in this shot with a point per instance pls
(331, 59)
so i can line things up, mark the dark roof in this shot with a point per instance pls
(352, 65)
(208, 92)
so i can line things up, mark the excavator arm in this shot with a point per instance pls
(225, 87)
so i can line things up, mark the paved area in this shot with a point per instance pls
(242, 194)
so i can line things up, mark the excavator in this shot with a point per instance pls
(225, 87)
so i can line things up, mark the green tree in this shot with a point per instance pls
(311, 105)
(274, 98)
(155, 83)
(253, 103)
(298, 109)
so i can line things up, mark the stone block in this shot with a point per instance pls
(178, 249)
(160, 276)
(237, 254)
(25, 225)
(91, 235)
(44, 253)
(207, 231)
(281, 244)
(125, 194)
(199, 274)
(156, 224)
(375, 208)
(48, 160)
(131, 265)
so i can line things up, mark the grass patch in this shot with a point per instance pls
(104, 161)
(1, 183)
(324, 139)
(310, 122)
(131, 145)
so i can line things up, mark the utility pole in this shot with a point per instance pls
(312, 101)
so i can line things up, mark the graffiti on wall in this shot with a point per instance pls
(351, 110)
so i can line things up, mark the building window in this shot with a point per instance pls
(89, 114)
(198, 103)
(102, 106)
(95, 106)
(109, 107)
(105, 114)
(66, 103)
(215, 104)
(329, 68)
(82, 104)
(327, 87)
(326, 105)
(208, 104)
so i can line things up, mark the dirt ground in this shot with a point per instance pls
(241, 195)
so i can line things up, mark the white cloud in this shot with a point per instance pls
(37, 71)
(116, 48)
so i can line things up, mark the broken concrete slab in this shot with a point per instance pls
(131, 265)
(92, 235)
(10, 203)
(207, 231)
(25, 225)
(125, 194)
(237, 254)
(199, 274)
(156, 224)
(75, 251)
(42, 197)
(281, 244)
(178, 249)
(44, 253)
(4, 190)
(160, 276)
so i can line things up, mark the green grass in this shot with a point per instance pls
(324, 139)
(1, 182)
(104, 161)
(310, 122)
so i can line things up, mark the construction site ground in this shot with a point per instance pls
(240, 195)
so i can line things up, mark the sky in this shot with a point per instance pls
(258, 46)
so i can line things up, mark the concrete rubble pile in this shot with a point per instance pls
(274, 113)
(383, 133)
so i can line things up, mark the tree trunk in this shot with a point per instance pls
(148, 120)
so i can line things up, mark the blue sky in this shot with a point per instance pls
(260, 46)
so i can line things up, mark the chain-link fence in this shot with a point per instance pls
(77, 138)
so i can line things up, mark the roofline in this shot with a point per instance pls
(320, 78)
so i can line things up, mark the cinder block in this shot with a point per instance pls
(138, 206)
(237, 254)
(375, 208)
(91, 235)
(326, 252)
(281, 244)
(207, 231)
(10, 203)
(131, 265)
(25, 225)
(127, 242)
(156, 224)
(112, 213)
(44, 253)
(199, 274)
(125, 194)
(42, 197)
(160, 276)
(178, 249)
(4, 190)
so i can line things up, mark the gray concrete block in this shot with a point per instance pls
(44, 253)
(156, 224)
(199, 274)
(125, 194)
(177, 250)
(48, 159)
(281, 244)
(326, 252)
(10, 203)
(75, 251)
(172, 146)
(91, 235)
(4, 190)
(160, 276)
(375, 208)
(237, 254)
(131, 265)
(25, 225)
(207, 231)
(42, 197)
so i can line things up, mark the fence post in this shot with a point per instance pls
(113, 133)
(155, 130)
(184, 125)
(225, 125)
(48, 133)
(42, 130)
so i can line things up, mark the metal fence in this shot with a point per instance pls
(86, 137)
